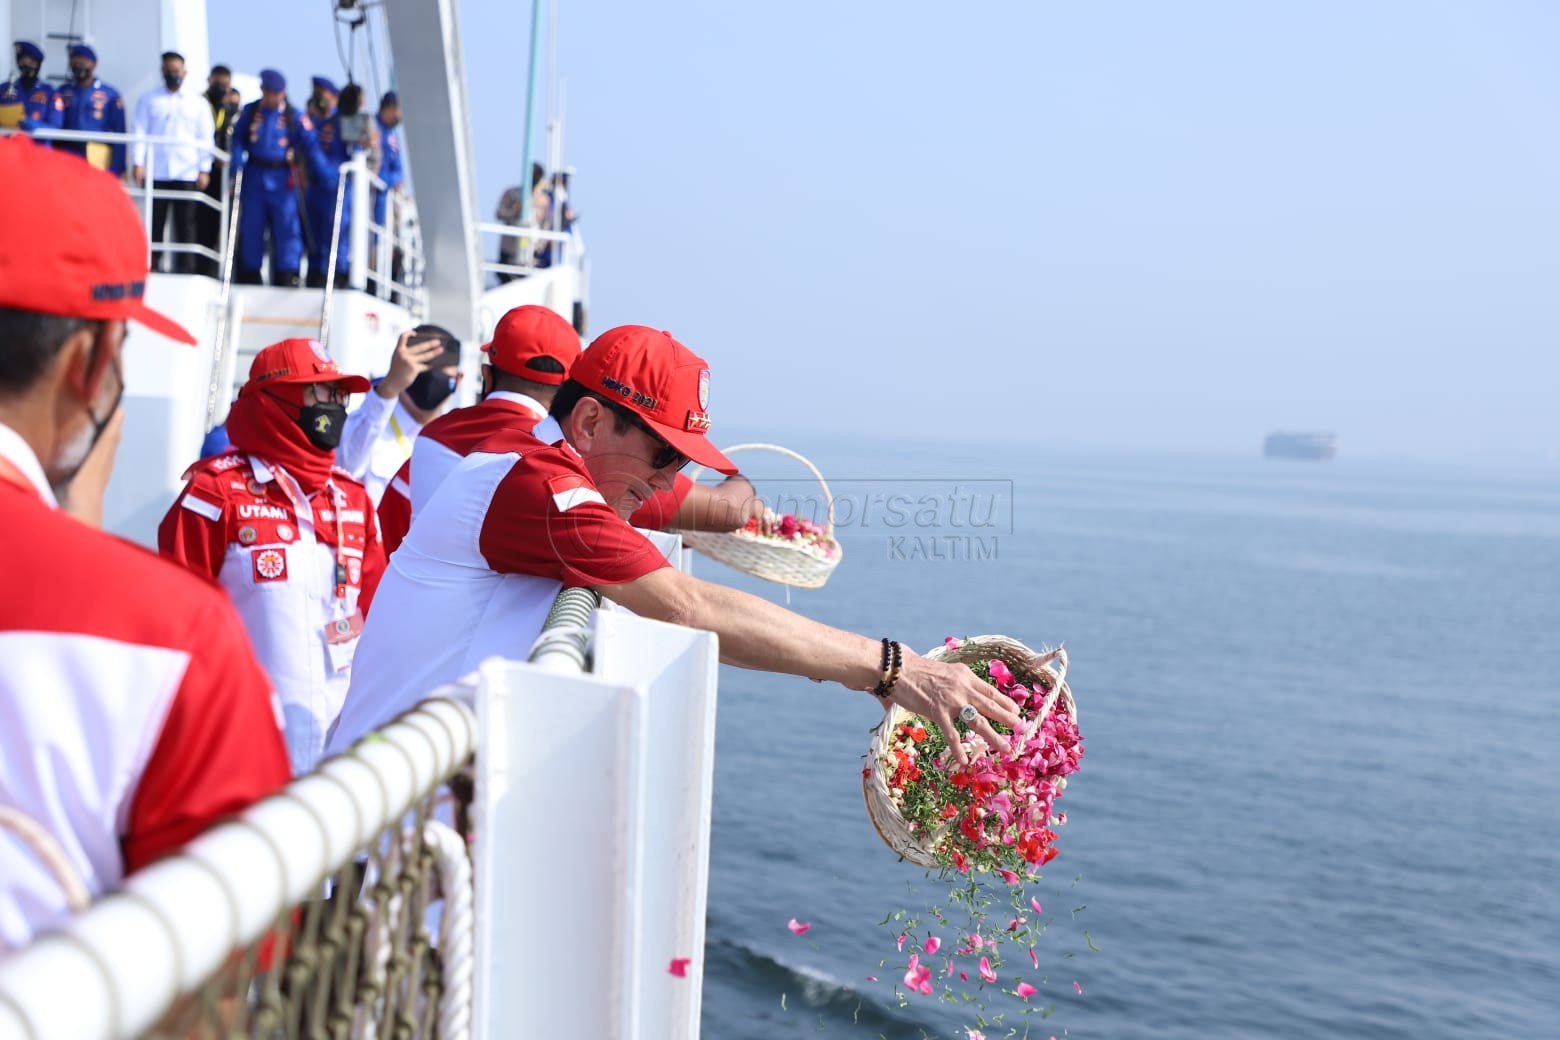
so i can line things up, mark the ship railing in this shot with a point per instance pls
(386, 259)
(527, 847)
(145, 196)
(526, 242)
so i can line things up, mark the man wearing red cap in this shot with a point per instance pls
(527, 360)
(133, 714)
(517, 520)
(291, 538)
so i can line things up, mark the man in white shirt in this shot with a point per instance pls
(424, 372)
(174, 111)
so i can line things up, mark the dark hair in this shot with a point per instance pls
(503, 379)
(172, 56)
(538, 174)
(220, 70)
(350, 100)
(572, 393)
(31, 341)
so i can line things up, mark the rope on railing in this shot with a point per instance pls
(563, 644)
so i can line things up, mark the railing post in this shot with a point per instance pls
(362, 214)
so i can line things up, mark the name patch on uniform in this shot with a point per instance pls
(200, 507)
(269, 565)
(254, 512)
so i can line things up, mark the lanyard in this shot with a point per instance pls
(341, 541)
(400, 438)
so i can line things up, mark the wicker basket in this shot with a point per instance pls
(786, 564)
(1049, 668)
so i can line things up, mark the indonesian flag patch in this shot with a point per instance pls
(570, 490)
(269, 565)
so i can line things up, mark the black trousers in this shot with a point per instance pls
(208, 223)
(183, 214)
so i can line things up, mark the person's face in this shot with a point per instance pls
(272, 98)
(173, 69)
(81, 69)
(219, 83)
(323, 393)
(93, 385)
(234, 98)
(27, 68)
(391, 115)
(622, 464)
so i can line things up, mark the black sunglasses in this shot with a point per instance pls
(666, 457)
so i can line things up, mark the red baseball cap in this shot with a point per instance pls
(530, 332)
(299, 361)
(668, 385)
(71, 242)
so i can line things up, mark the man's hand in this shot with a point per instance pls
(82, 498)
(411, 359)
(139, 175)
(936, 690)
(201, 180)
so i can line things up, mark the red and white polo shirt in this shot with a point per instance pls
(516, 521)
(133, 714)
(250, 526)
(443, 443)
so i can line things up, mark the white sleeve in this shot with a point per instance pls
(142, 124)
(362, 431)
(208, 134)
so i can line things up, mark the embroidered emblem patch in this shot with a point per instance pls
(284, 532)
(270, 565)
(704, 390)
(255, 487)
(354, 570)
(319, 350)
(247, 534)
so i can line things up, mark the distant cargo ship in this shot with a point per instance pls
(1300, 446)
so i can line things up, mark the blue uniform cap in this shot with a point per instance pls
(389, 98)
(270, 79)
(81, 50)
(29, 50)
(325, 84)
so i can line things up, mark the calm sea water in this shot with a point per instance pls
(1321, 795)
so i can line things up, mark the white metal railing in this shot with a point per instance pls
(163, 949)
(567, 248)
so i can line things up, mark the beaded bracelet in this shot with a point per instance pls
(893, 663)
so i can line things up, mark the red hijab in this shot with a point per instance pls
(265, 423)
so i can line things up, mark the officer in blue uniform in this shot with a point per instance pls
(27, 101)
(271, 139)
(346, 132)
(91, 104)
(320, 196)
(391, 170)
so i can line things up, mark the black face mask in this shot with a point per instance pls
(174, 80)
(28, 73)
(431, 389)
(217, 94)
(322, 424)
(81, 73)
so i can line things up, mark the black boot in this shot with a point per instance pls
(287, 279)
(246, 276)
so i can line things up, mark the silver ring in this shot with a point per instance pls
(968, 713)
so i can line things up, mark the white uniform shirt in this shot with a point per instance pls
(378, 436)
(182, 113)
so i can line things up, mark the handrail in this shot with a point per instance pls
(219, 348)
(335, 241)
(127, 137)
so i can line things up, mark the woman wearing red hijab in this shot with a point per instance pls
(292, 539)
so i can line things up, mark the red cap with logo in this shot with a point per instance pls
(667, 384)
(299, 361)
(71, 243)
(531, 332)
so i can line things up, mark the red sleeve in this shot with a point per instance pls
(546, 518)
(658, 510)
(395, 510)
(192, 532)
(373, 556)
(220, 748)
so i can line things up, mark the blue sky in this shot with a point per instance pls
(1175, 226)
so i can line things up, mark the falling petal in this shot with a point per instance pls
(871, 978)
(1025, 990)
(679, 966)
(798, 927)
(932, 944)
(1008, 876)
(986, 971)
(1077, 987)
(902, 937)
(1032, 958)
(1035, 903)
(975, 1034)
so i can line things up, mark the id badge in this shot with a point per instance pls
(341, 636)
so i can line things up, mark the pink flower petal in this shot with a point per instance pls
(679, 966)
(1025, 990)
(1032, 958)
(975, 1034)
(901, 942)
(1077, 987)
(932, 944)
(798, 927)
(986, 971)
(1035, 903)
(1008, 876)
(963, 977)
(871, 978)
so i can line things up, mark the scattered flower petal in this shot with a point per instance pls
(901, 942)
(932, 944)
(1032, 958)
(1036, 904)
(1025, 990)
(798, 927)
(1077, 987)
(986, 971)
(871, 978)
(679, 966)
